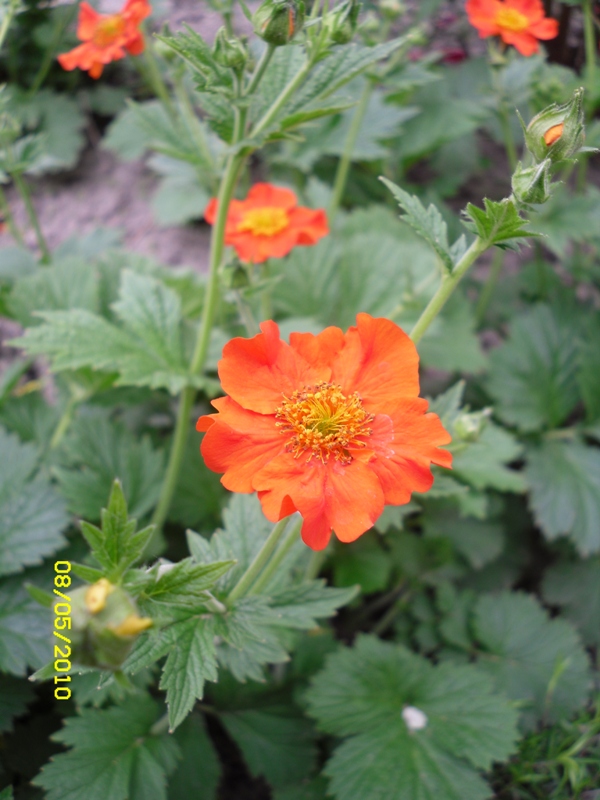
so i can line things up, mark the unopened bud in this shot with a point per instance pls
(532, 184)
(392, 9)
(278, 21)
(104, 625)
(469, 425)
(557, 132)
(229, 51)
(341, 22)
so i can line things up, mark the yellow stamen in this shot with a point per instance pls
(108, 30)
(553, 134)
(266, 221)
(132, 625)
(95, 597)
(511, 20)
(324, 422)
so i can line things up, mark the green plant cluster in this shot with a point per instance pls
(451, 652)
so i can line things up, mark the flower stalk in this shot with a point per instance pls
(33, 218)
(449, 283)
(247, 580)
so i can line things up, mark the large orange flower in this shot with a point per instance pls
(330, 425)
(106, 37)
(269, 223)
(518, 22)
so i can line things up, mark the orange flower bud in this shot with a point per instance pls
(553, 134)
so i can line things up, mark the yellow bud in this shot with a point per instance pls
(95, 596)
(132, 625)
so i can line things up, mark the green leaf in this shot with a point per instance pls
(416, 730)
(564, 478)
(25, 629)
(499, 224)
(32, 515)
(6, 794)
(114, 755)
(533, 376)
(482, 462)
(71, 283)
(302, 605)
(451, 342)
(15, 696)
(97, 450)
(117, 544)
(363, 562)
(197, 53)
(185, 583)
(15, 264)
(276, 743)
(478, 541)
(535, 660)
(199, 495)
(589, 370)
(147, 349)
(198, 773)
(427, 222)
(312, 790)
(575, 588)
(565, 219)
(180, 197)
(191, 662)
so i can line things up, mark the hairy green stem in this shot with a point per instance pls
(341, 176)
(46, 63)
(590, 46)
(259, 70)
(447, 286)
(8, 217)
(202, 340)
(33, 218)
(284, 548)
(244, 584)
(284, 96)
(155, 77)
(8, 18)
(489, 286)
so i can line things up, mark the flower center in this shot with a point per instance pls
(108, 30)
(323, 422)
(264, 221)
(512, 20)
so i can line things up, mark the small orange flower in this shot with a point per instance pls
(330, 425)
(518, 22)
(269, 223)
(106, 37)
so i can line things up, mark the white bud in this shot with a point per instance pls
(414, 718)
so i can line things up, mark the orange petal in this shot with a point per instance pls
(210, 212)
(379, 361)
(545, 29)
(265, 194)
(309, 225)
(87, 22)
(257, 372)
(135, 45)
(523, 42)
(254, 249)
(354, 500)
(239, 443)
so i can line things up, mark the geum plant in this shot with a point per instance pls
(315, 436)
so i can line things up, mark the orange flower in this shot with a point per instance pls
(330, 425)
(518, 22)
(106, 37)
(269, 223)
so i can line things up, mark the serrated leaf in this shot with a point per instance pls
(32, 515)
(533, 375)
(198, 773)
(15, 695)
(564, 479)
(478, 541)
(146, 349)
(71, 283)
(500, 223)
(97, 450)
(191, 662)
(451, 342)
(185, 584)
(535, 660)
(302, 605)
(116, 544)
(199, 494)
(416, 730)
(276, 743)
(114, 755)
(427, 222)
(575, 588)
(482, 463)
(565, 218)
(25, 629)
